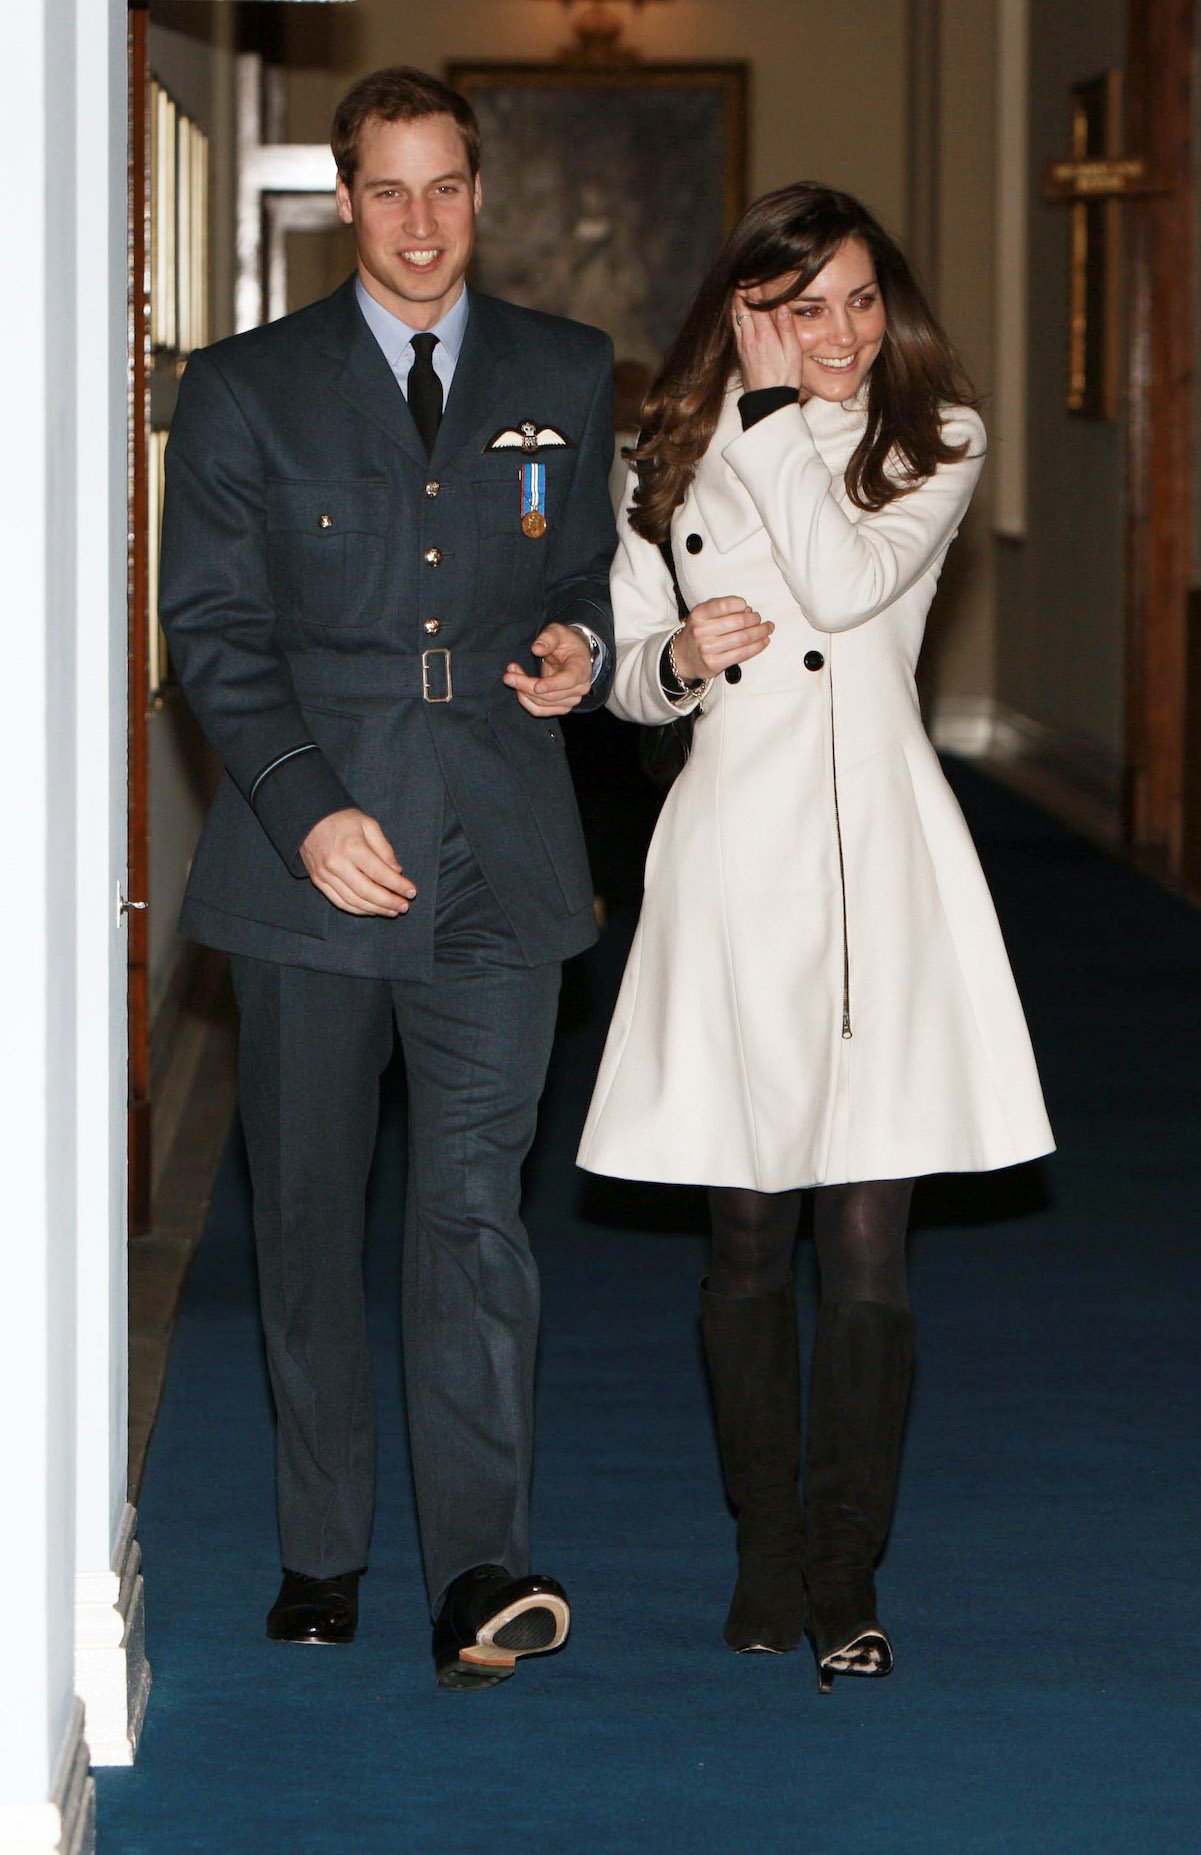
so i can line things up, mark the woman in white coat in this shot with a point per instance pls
(817, 994)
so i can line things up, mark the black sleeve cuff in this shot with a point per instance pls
(296, 794)
(669, 682)
(765, 399)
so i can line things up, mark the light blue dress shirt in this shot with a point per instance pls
(396, 338)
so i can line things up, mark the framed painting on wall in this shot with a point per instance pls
(607, 190)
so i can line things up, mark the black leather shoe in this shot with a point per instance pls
(488, 1619)
(315, 1609)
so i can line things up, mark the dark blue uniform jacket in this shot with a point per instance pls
(317, 566)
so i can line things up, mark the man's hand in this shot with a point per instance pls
(350, 860)
(566, 675)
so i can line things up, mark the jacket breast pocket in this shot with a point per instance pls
(496, 505)
(328, 552)
(511, 559)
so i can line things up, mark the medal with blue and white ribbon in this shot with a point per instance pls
(533, 500)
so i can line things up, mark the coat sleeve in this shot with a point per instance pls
(843, 571)
(582, 538)
(644, 618)
(216, 608)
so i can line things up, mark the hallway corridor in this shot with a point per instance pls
(1040, 1570)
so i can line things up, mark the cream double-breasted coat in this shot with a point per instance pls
(817, 990)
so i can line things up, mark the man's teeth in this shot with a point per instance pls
(419, 257)
(824, 360)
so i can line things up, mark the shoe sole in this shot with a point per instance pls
(867, 1656)
(534, 1625)
(317, 1642)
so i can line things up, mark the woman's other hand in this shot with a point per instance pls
(769, 348)
(720, 632)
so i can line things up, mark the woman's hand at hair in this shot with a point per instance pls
(769, 348)
(720, 632)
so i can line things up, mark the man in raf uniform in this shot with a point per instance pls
(385, 579)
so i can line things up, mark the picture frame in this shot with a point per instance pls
(607, 189)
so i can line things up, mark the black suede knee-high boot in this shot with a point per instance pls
(862, 1365)
(752, 1355)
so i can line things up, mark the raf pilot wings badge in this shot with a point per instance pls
(530, 438)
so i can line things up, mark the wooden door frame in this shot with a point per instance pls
(1163, 817)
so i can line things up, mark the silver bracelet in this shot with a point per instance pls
(698, 688)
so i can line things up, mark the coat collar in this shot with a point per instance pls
(723, 502)
(724, 506)
(487, 370)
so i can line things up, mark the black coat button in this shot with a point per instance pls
(814, 660)
(694, 544)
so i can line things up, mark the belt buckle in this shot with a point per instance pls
(436, 651)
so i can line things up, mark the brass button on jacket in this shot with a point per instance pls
(325, 521)
(432, 557)
(432, 487)
(432, 627)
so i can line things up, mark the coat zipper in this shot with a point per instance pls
(842, 871)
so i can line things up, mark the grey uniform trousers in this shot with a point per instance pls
(476, 1041)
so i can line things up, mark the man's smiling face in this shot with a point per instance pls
(412, 206)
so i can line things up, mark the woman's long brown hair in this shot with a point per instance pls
(793, 234)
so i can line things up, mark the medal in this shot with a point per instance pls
(533, 500)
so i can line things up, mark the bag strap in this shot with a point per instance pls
(642, 469)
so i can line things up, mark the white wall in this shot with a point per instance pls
(101, 747)
(37, 972)
(961, 650)
(111, 1674)
(827, 83)
(62, 474)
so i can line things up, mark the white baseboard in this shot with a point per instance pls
(66, 1823)
(963, 725)
(980, 728)
(112, 1674)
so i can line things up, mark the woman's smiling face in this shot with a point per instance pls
(839, 320)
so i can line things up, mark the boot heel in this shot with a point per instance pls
(825, 1680)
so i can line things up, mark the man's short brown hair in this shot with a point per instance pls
(398, 94)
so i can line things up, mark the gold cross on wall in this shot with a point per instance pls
(1093, 182)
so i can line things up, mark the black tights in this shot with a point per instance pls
(858, 1232)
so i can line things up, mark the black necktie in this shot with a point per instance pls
(425, 390)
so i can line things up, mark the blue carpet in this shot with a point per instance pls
(1040, 1582)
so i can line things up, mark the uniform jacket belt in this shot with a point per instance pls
(326, 679)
